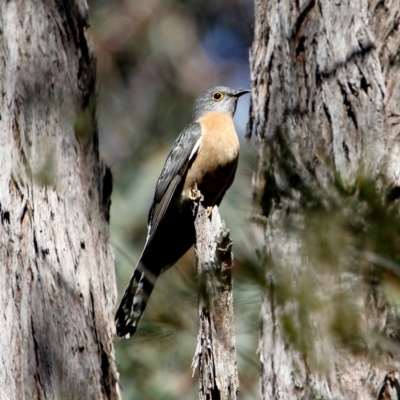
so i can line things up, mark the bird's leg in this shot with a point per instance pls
(195, 194)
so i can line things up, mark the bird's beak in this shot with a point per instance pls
(241, 92)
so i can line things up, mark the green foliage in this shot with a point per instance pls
(45, 174)
(333, 285)
(85, 121)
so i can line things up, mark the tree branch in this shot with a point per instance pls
(215, 353)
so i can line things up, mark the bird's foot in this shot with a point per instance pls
(195, 194)
(209, 211)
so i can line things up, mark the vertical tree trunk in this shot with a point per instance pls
(215, 353)
(57, 288)
(325, 112)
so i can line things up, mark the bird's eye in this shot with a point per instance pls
(217, 96)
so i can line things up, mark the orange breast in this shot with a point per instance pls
(215, 163)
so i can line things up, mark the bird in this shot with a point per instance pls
(200, 166)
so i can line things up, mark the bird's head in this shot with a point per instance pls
(219, 99)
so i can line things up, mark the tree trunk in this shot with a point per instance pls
(215, 353)
(326, 92)
(58, 286)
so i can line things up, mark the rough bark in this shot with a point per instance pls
(58, 287)
(215, 353)
(325, 77)
(391, 387)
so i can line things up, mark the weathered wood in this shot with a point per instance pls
(57, 290)
(391, 387)
(325, 107)
(215, 353)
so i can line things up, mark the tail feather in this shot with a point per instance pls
(134, 301)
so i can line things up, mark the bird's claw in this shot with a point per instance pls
(195, 194)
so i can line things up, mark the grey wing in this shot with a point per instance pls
(174, 169)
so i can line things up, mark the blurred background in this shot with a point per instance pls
(154, 58)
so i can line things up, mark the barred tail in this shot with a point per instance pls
(134, 300)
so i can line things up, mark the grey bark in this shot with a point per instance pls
(215, 353)
(58, 287)
(325, 106)
(391, 388)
